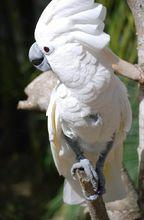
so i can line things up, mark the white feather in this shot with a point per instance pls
(67, 8)
(91, 16)
(77, 20)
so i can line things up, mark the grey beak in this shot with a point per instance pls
(38, 59)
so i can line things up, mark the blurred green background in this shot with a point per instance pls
(30, 187)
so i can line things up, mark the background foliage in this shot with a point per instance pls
(30, 187)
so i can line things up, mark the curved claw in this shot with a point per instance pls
(89, 170)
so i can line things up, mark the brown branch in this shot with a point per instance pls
(96, 206)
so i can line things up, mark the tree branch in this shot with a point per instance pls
(124, 68)
(96, 206)
(39, 92)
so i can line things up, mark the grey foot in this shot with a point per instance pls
(85, 165)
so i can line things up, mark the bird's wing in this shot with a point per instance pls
(62, 154)
(39, 92)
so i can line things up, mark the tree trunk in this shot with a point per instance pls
(137, 7)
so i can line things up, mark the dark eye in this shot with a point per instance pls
(46, 49)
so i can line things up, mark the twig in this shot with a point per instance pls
(96, 206)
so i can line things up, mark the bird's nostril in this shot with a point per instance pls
(37, 62)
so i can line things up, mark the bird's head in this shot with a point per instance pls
(65, 32)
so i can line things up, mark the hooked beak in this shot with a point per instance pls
(38, 59)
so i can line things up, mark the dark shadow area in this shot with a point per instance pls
(28, 178)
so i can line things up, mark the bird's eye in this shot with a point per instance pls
(46, 49)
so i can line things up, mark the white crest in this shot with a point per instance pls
(79, 20)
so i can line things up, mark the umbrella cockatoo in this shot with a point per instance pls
(89, 112)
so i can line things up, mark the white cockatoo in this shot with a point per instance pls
(89, 112)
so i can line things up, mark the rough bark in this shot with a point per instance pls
(137, 8)
(96, 206)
